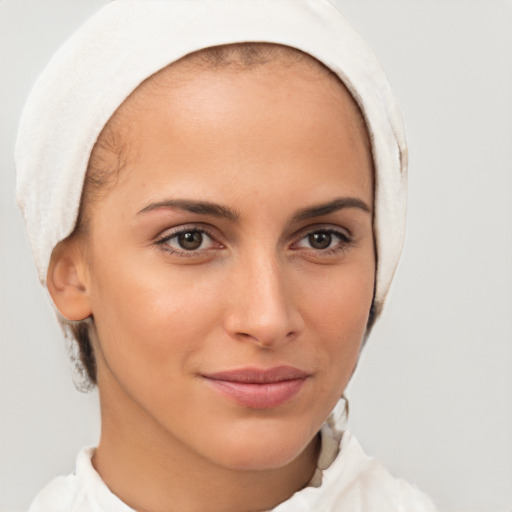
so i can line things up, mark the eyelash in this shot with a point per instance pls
(163, 242)
(345, 241)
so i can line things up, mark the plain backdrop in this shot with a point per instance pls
(432, 396)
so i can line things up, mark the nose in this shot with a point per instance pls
(262, 308)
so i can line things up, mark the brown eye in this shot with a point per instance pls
(324, 241)
(320, 240)
(190, 240)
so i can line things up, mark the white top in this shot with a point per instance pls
(353, 482)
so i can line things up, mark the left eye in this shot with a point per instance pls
(189, 240)
(322, 240)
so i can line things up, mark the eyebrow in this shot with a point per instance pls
(330, 207)
(217, 210)
(200, 207)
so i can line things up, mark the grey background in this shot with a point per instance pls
(432, 396)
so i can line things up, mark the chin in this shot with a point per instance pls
(264, 448)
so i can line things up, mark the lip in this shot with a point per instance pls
(258, 388)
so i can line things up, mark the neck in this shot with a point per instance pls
(150, 470)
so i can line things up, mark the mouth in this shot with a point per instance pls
(257, 388)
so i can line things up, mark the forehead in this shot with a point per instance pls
(204, 113)
(256, 62)
(260, 67)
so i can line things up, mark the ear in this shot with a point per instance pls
(67, 280)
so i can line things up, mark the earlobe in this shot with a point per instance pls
(67, 283)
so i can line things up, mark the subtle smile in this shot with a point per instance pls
(259, 388)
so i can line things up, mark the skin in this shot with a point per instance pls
(265, 144)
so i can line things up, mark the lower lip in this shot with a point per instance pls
(259, 396)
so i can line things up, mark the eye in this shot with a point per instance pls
(320, 240)
(327, 240)
(187, 241)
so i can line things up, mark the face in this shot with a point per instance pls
(230, 270)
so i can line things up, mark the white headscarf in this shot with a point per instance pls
(129, 40)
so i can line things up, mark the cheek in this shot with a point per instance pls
(152, 320)
(339, 300)
(161, 313)
(336, 307)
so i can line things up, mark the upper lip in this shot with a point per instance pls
(252, 375)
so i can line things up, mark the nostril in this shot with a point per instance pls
(265, 341)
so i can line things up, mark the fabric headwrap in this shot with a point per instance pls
(129, 40)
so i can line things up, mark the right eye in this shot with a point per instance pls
(187, 242)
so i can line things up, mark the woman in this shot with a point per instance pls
(220, 323)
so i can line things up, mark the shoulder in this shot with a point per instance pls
(369, 484)
(57, 496)
(357, 483)
(81, 491)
